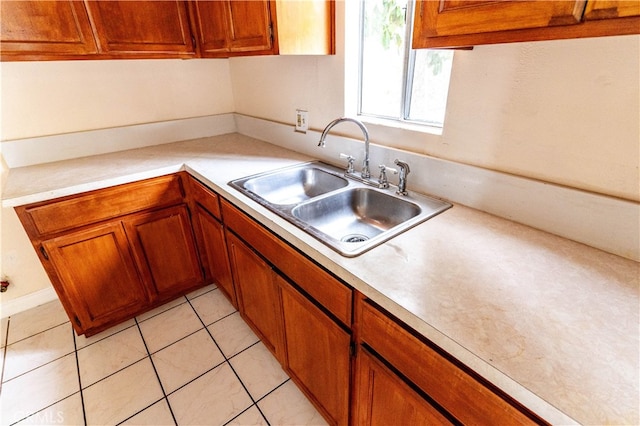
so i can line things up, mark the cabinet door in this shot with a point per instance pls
(456, 17)
(214, 252)
(97, 274)
(383, 398)
(46, 28)
(153, 28)
(609, 9)
(165, 250)
(257, 294)
(317, 354)
(212, 27)
(250, 26)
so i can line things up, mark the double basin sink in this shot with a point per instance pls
(349, 216)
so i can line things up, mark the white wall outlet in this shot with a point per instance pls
(302, 125)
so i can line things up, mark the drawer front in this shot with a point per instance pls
(205, 197)
(326, 290)
(453, 388)
(95, 206)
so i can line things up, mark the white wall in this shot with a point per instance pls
(48, 98)
(565, 111)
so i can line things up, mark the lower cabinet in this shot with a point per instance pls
(257, 291)
(96, 275)
(317, 354)
(312, 345)
(417, 367)
(383, 398)
(116, 252)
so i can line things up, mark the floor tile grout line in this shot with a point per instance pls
(44, 408)
(35, 368)
(36, 333)
(103, 338)
(138, 412)
(230, 366)
(75, 347)
(4, 353)
(155, 370)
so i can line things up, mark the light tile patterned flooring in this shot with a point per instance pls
(192, 361)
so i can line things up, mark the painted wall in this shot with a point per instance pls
(565, 111)
(47, 98)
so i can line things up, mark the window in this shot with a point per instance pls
(397, 82)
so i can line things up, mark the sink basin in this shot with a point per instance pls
(349, 216)
(356, 215)
(293, 186)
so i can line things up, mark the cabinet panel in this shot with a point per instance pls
(456, 17)
(212, 27)
(257, 294)
(98, 275)
(609, 9)
(165, 249)
(45, 28)
(250, 26)
(126, 27)
(214, 253)
(318, 354)
(325, 289)
(382, 398)
(452, 387)
(77, 210)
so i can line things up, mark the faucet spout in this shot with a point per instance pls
(365, 164)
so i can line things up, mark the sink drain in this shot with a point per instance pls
(354, 238)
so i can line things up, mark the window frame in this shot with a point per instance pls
(404, 119)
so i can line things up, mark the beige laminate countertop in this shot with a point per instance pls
(552, 322)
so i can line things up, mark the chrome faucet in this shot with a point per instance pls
(366, 174)
(402, 177)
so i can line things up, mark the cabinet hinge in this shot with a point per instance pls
(77, 321)
(44, 253)
(352, 349)
(271, 32)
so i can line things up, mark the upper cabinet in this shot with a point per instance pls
(458, 23)
(285, 27)
(35, 28)
(142, 28)
(46, 30)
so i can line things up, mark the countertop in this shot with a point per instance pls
(552, 322)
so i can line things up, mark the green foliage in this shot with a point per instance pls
(386, 18)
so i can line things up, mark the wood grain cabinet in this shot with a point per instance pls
(303, 312)
(116, 252)
(210, 237)
(406, 369)
(256, 27)
(94, 29)
(458, 23)
(149, 28)
(42, 29)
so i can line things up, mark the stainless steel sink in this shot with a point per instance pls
(355, 215)
(292, 186)
(348, 216)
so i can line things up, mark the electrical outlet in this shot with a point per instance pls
(302, 124)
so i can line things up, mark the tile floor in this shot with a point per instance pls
(192, 361)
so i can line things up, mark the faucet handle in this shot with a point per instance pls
(383, 182)
(350, 160)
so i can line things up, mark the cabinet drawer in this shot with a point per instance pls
(78, 210)
(205, 197)
(455, 389)
(321, 286)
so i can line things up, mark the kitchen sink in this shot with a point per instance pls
(294, 185)
(356, 215)
(348, 215)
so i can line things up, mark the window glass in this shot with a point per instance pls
(397, 82)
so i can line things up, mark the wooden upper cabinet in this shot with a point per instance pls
(142, 28)
(229, 28)
(256, 27)
(33, 29)
(459, 23)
